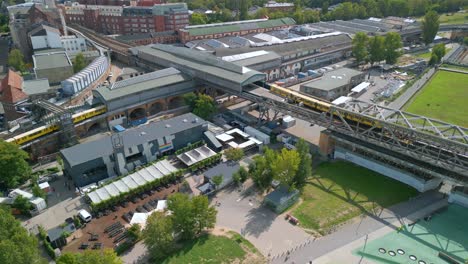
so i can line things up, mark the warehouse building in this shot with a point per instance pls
(123, 152)
(55, 66)
(333, 84)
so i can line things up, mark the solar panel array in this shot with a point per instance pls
(145, 77)
(132, 181)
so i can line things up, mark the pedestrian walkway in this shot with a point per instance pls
(392, 218)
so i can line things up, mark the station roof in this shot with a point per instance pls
(333, 79)
(238, 26)
(201, 65)
(252, 58)
(142, 83)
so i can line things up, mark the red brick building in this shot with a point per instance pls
(129, 20)
(11, 94)
(122, 2)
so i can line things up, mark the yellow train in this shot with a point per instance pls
(47, 129)
(317, 104)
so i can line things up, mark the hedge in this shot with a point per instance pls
(190, 147)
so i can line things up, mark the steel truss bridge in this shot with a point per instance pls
(440, 148)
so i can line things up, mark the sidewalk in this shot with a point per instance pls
(360, 228)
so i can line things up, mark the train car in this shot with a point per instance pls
(317, 104)
(33, 134)
(78, 117)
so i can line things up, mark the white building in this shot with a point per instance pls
(45, 37)
(73, 44)
(85, 77)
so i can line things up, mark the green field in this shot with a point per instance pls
(216, 249)
(455, 67)
(443, 98)
(341, 190)
(455, 18)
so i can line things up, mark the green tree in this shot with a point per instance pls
(38, 192)
(430, 26)
(243, 173)
(465, 41)
(305, 165)
(286, 166)
(204, 106)
(260, 169)
(218, 180)
(198, 19)
(203, 214)
(79, 62)
(190, 100)
(16, 60)
(439, 51)
(22, 204)
(236, 177)
(15, 169)
(158, 235)
(325, 6)
(134, 232)
(16, 244)
(234, 154)
(434, 59)
(311, 16)
(376, 49)
(244, 10)
(360, 47)
(298, 16)
(393, 47)
(262, 13)
(107, 256)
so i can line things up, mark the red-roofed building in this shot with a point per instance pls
(12, 94)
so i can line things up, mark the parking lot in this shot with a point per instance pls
(109, 228)
(242, 212)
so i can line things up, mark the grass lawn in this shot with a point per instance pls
(455, 18)
(443, 98)
(462, 68)
(216, 249)
(341, 190)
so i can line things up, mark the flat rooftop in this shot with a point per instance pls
(51, 60)
(332, 79)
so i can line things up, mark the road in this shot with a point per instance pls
(358, 229)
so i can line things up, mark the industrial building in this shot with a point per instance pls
(128, 19)
(123, 152)
(333, 84)
(85, 77)
(56, 66)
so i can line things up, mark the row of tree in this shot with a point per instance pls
(378, 48)
(290, 167)
(438, 52)
(189, 218)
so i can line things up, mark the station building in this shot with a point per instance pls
(123, 152)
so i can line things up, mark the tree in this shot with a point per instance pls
(107, 256)
(38, 192)
(325, 6)
(190, 216)
(203, 214)
(244, 10)
(393, 47)
(16, 60)
(79, 62)
(243, 173)
(298, 16)
(217, 180)
(285, 166)
(134, 232)
(439, 51)
(434, 59)
(198, 19)
(430, 26)
(305, 165)
(190, 100)
(22, 204)
(204, 106)
(260, 169)
(376, 49)
(360, 47)
(465, 41)
(16, 244)
(15, 168)
(234, 154)
(262, 13)
(157, 235)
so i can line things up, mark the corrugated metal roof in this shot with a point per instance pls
(224, 28)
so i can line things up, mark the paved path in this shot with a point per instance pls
(358, 229)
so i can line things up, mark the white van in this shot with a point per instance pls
(85, 216)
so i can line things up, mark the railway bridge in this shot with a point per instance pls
(425, 146)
